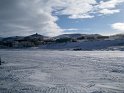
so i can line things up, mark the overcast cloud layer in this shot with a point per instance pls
(24, 17)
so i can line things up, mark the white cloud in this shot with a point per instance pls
(31, 16)
(27, 17)
(118, 26)
(87, 8)
(77, 8)
(109, 7)
(109, 11)
(81, 16)
(71, 29)
(110, 4)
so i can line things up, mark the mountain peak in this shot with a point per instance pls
(36, 35)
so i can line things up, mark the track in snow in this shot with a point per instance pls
(62, 72)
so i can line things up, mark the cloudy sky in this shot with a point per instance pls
(55, 17)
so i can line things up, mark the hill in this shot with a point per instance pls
(65, 42)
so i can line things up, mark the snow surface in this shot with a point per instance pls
(39, 71)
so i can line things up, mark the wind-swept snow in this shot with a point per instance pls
(61, 71)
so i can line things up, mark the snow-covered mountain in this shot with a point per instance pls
(86, 45)
(65, 42)
(22, 41)
(1, 38)
(11, 39)
(88, 42)
(75, 36)
(117, 36)
(36, 37)
(68, 36)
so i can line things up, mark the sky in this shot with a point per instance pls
(56, 17)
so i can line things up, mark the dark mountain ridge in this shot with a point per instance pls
(37, 40)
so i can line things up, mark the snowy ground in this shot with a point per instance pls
(61, 71)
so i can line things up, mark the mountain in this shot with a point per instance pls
(117, 44)
(82, 36)
(87, 42)
(23, 41)
(117, 36)
(36, 37)
(1, 38)
(11, 39)
(75, 36)
(65, 42)
(68, 36)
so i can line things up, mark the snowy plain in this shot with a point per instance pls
(44, 71)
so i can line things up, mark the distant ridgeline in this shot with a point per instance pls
(37, 40)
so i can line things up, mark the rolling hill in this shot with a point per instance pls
(65, 42)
